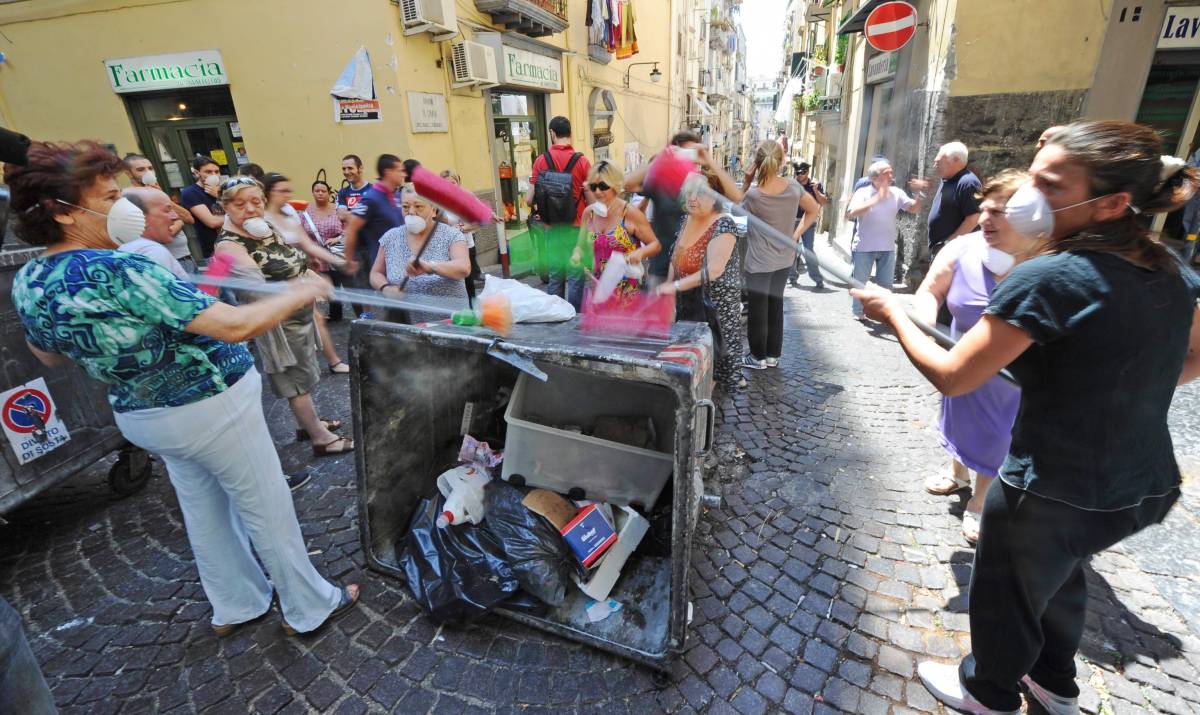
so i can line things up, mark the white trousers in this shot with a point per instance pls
(226, 473)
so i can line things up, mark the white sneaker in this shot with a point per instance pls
(1054, 704)
(749, 362)
(772, 362)
(942, 681)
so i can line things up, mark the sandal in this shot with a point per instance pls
(333, 369)
(331, 425)
(349, 598)
(970, 527)
(345, 444)
(227, 629)
(942, 484)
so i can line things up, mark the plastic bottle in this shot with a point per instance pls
(463, 489)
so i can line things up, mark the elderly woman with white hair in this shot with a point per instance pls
(433, 256)
(876, 207)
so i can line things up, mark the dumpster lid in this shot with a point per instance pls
(688, 344)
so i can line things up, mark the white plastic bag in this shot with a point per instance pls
(529, 305)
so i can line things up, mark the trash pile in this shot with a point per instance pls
(492, 538)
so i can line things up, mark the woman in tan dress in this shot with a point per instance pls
(288, 352)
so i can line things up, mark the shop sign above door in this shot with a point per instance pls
(1181, 28)
(203, 68)
(523, 68)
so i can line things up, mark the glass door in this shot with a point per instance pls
(210, 139)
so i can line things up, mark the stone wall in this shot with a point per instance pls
(1001, 130)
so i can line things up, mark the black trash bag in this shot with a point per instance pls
(458, 573)
(535, 550)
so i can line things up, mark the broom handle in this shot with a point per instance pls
(344, 295)
(838, 271)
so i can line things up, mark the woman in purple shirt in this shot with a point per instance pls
(976, 427)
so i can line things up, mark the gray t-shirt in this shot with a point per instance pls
(764, 254)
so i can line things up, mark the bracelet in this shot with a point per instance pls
(676, 285)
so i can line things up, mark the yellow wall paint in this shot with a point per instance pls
(282, 58)
(1027, 45)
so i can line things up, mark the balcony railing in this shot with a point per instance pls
(535, 18)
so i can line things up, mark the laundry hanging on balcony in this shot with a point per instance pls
(611, 26)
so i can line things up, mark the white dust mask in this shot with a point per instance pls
(1029, 213)
(126, 222)
(414, 223)
(257, 227)
(599, 209)
(997, 261)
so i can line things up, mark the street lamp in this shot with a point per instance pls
(655, 75)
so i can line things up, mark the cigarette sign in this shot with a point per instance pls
(31, 422)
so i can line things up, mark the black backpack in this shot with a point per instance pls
(554, 192)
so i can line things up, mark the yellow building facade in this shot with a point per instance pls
(251, 82)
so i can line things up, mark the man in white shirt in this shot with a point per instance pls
(141, 174)
(155, 222)
(876, 206)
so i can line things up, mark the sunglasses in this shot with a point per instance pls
(599, 186)
(239, 181)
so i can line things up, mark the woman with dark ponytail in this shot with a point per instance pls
(1099, 327)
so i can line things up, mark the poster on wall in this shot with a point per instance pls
(356, 111)
(354, 99)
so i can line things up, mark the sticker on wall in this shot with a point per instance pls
(31, 421)
(218, 155)
(356, 111)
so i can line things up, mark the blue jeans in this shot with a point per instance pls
(22, 687)
(884, 263)
(810, 263)
(572, 280)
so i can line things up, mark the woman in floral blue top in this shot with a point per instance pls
(182, 384)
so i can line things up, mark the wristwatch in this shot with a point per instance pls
(676, 284)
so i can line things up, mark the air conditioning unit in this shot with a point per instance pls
(437, 17)
(474, 64)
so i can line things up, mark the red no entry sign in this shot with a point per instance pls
(891, 25)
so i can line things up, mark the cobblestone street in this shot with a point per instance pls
(821, 581)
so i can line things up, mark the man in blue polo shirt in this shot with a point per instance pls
(356, 185)
(377, 212)
(955, 209)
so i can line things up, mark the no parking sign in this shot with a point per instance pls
(31, 422)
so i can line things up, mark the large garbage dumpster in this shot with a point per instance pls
(53, 422)
(409, 390)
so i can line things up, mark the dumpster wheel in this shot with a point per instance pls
(131, 472)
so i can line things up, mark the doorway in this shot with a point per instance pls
(519, 135)
(173, 127)
(1171, 106)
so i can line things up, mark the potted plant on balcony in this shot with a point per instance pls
(839, 53)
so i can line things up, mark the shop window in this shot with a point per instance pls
(190, 104)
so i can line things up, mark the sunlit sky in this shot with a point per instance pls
(763, 23)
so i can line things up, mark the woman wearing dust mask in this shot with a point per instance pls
(423, 257)
(181, 382)
(976, 428)
(1098, 328)
(288, 353)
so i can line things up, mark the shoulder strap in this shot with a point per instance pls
(571, 164)
(549, 161)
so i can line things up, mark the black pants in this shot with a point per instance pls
(1028, 598)
(765, 325)
(335, 307)
(474, 276)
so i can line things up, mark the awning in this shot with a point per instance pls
(783, 110)
(858, 20)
